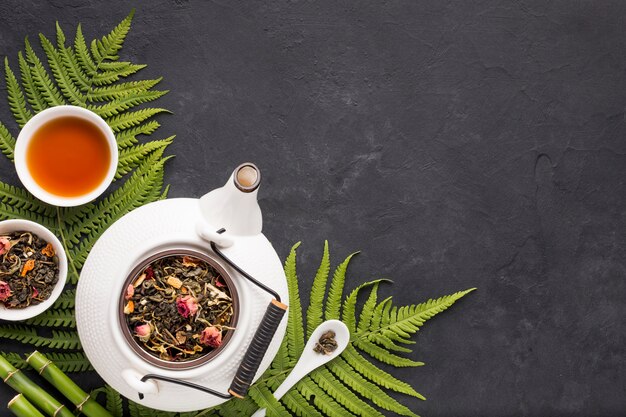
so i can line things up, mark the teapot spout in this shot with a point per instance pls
(234, 206)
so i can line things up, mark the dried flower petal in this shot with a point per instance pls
(174, 282)
(35, 293)
(190, 261)
(211, 336)
(219, 283)
(181, 337)
(187, 306)
(28, 266)
(129, 308)
(130, 291)
(139, 280)
(143, 331)
(5, 245)
(5, 291)
(48, 250)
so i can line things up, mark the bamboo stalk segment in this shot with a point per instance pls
(35, 394)
(21, 407)
(83, 402)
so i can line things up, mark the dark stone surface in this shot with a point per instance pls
(457, 144)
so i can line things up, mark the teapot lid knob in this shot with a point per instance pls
(247, 177)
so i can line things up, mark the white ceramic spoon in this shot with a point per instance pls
(310, 359)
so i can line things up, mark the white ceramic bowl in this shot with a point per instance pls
(25, 136)
(9, 226)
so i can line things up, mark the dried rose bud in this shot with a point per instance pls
(5, 291)
(187, 306)
(149, 273)
(130, 291)
(143, 332)
(211, 336)
(5, 245)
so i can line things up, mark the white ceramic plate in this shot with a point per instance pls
(144, 231)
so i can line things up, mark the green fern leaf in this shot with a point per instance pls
(35, 98)
(55, 60)
(114, 402)
(343, 371)
(109, 45)
(54, 318)
(348, 313)
(21, 199)
(264, 399)
(66, 300)
(375, 374)
(299, 405)
(322, 401)
(70, 62)
(295, 332)
(130, 119)
(64, 340)
(315, 311)
(82, 53)
(333, 301)
(120, 90)
(7, 142)
(15, 359)
(43, 83)
(17, 101)
(368, 309)
(130, 158)
(114, 73)
(384, 355)
(121, 104)
(128, 137)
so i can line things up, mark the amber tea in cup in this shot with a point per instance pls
(68, 156)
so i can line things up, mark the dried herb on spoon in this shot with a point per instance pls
(29, 269)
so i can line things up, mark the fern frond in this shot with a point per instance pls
(17, 101)
(295, 332)
(375, 374)
(130, 158)
(35, 98)
(344, 372)
(54, 318)
(341, 394)
(322, 401)
(70, 361)
(130, 119)
(109, 45)
(383, 355)
(15, 359)
(23, 334)
(368, 309)
(67, 299)
(115, 72)
(315, 311)
(82, 53)
(21, 199)
(55, 61)
(7, 141)
(128, 137)
(348, 312)
(114, 402)
(335, 293)
(121, 104)
(8, 212)
(264, 399)
(299, 405)
(117, 91)
(43, 83)
(407, 320)
(64, 340)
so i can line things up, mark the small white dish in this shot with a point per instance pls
(26, 135)
(8, 226)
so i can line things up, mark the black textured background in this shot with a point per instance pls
(455, 143)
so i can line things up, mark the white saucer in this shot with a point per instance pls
(149, 229)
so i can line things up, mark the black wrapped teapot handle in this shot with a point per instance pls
(257, 349)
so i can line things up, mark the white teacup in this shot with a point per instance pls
(26, 135)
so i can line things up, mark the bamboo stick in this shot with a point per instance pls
(83, 402)
(35, 394)
(20, 406)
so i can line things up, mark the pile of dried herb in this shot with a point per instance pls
(178, 308)
(29, 269)
(326, 344)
